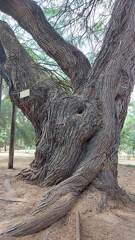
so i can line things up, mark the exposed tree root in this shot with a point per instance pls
(128, 201)
(121, 200)
(57, 202)
(111, 194)
(58, 210)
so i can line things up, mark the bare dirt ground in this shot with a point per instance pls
(18, 202)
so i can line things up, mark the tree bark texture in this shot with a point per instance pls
(78, 135)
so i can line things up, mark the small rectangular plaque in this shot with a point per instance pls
(25, 93)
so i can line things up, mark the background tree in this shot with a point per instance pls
(128, 132)
(25, 136)
(5, 120)
(77, 134)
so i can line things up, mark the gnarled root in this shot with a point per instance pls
(128, 201)
(57, 202)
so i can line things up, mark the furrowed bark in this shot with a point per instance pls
(30, 16)
(20, 75)
(78, 135)
(55, 116)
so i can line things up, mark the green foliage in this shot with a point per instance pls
(81, 23)
(24, 135)
(130, 166)
(5, 116)
(128, 132)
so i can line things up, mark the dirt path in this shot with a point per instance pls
(115, 224)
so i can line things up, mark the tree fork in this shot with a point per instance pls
(30, 16)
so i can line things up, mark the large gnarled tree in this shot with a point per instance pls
(77, 135)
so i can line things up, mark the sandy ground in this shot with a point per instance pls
(114, 224)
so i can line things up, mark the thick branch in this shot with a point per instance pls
(3, 71)
(30, 16)
(117, 41)
(21, 73)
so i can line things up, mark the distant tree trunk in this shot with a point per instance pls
(12, 137)
(77, 135)
(0, 91)
(5, 146)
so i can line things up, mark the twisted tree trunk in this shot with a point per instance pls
(77, 135)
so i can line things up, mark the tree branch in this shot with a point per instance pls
(30, 16)
(117, 40)
(21, 73)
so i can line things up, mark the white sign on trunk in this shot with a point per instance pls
(25, 93)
